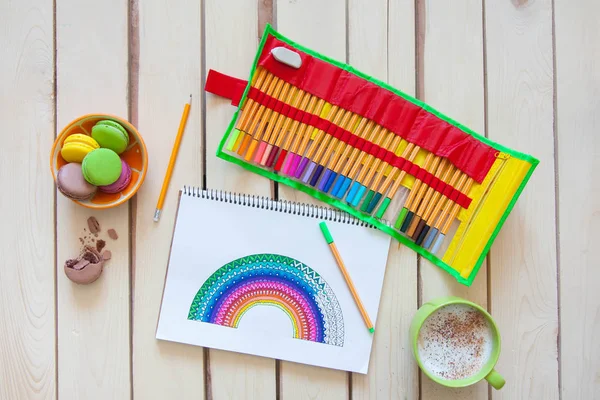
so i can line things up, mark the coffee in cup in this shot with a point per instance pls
(455, 342)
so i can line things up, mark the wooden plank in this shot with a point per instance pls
(27, 298)
(230, 46)
(523, 269)
(453, 83)
(169, 71)
(382, 44)
(577, 121)
(93, 321)
(320, 26)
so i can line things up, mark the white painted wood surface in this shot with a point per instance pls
(453, 83)
(523, 271)
(169, 63)
(489, 64)
(93, 354)
(27, 291)
(323, 29)
(230, 46)
(578, 162)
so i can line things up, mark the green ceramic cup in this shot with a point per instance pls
(487, 372)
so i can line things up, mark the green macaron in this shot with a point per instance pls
(111, 135)
(101, 167)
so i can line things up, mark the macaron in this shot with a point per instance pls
(121, 183)
(77, 146)
(111, 135)
(86, 268)
(101, 167)
(71, 183)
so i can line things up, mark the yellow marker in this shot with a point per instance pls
(165, 186)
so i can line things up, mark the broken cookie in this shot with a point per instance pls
(86, 268)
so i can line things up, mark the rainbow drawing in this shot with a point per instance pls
(276, 281)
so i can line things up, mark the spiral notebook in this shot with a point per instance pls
(252, 275)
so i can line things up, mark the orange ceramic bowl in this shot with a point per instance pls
(135, 155)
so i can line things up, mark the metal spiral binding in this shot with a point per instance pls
(290, 207)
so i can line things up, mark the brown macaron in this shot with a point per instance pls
(71, 183)
(85, 269)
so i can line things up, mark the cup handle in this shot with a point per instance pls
(495, 379)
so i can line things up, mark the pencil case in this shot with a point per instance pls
(358, 144)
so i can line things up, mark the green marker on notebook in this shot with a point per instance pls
(340, 263)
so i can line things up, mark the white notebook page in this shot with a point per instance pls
(210, 234)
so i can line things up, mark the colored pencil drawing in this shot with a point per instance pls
(276, 281)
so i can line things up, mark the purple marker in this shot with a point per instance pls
(293, 165)
(301, 167)
(309, 170)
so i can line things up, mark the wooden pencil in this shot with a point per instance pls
(172, 159)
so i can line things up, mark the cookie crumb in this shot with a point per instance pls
(106, 255)
(100, 244)
(94, 225)
(113, 234)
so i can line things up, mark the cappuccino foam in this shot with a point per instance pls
(455, 342)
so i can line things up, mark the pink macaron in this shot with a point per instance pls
(71, 183)
(121, 183)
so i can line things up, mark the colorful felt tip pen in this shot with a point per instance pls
(349, 282)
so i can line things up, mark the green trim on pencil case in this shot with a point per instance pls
(345, 207)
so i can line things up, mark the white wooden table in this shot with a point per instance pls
(525, 73)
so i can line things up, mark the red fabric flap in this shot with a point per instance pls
(225, 86)
(416, 124)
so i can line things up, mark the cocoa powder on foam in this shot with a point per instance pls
(455, 342)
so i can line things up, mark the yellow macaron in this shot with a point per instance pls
(77, 146)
